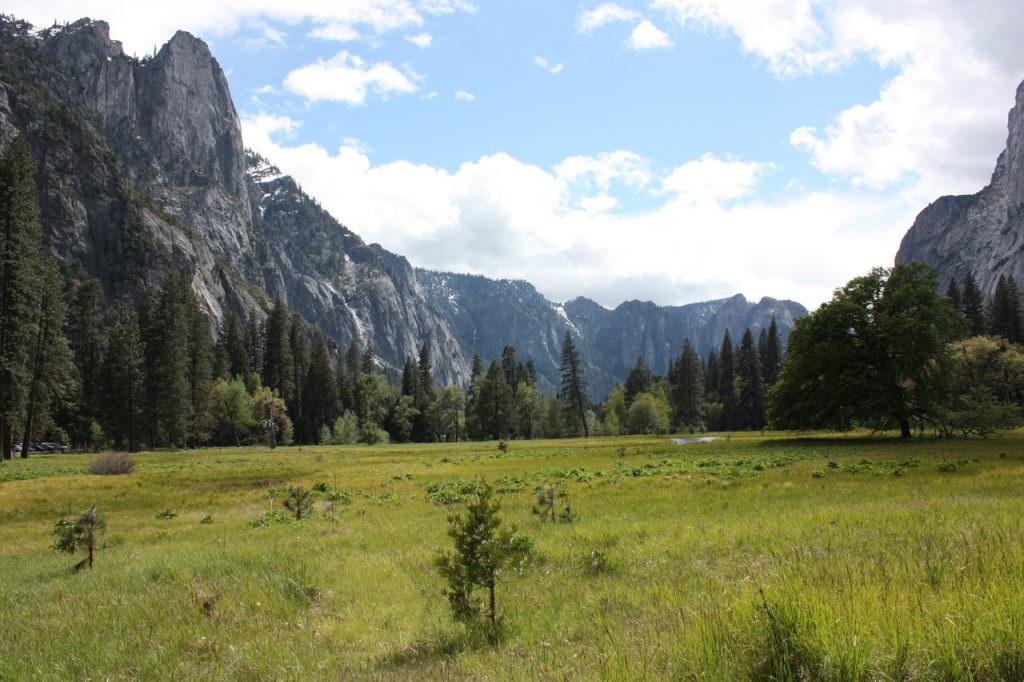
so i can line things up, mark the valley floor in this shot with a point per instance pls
(752, 557)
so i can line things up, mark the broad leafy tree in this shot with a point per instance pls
(877, 354)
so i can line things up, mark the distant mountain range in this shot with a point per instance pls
(143, 169)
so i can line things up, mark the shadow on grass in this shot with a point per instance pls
(858, 441)
(424, 653)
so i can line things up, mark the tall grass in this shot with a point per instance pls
(721, 561)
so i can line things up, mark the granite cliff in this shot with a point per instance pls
(981, 233)
(142, 169)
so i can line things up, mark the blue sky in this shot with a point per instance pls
(672, 150)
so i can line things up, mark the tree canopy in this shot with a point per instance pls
(877, 354)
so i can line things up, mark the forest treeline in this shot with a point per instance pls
(155, 373)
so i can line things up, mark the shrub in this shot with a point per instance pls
(299, 501)
(166, 514)
(79, 533)
(483, 550)
(112, 464)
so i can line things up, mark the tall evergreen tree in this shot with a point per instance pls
(278, 364)
(322, 406)
(750, 410)
(121, 380)
(688, 388)
(200, 371)
(711, 372)
(51, 360)
(639, 380)
(298, 343)
(1003, 311)
(236, 350)
(173, 363)
(727, 383)
(151, 335)
(510, 366)
(954, 295)
(495, 403)
(973, 306)
(573, 390)
(410, 379)
(425, 396)
(86, 336)
(255, 343)
(769, 349)
(21, 238)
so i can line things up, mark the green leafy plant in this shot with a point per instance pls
(483, 551)
(166, 514)
(72, 534)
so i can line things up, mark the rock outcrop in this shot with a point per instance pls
(982, 233)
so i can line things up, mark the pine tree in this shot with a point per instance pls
(770, 353)
(954, 295)
(278, 364)
(751, 394)
(495, 404)
(200, 365)
(688, 388)
(21, 238)
(711, 372)
(255, 343)
(236, 350)
(573, 391)
(121, 380)
(973, 305)
(322, 406)
(298, 343)
(727, 384)
(85, 334)
(173, 363)
(425, 396)
(639, 380)
(52, 366)
(1003, 312)
(409, 378)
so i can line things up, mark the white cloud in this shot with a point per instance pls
(546, 65)
(463, 96)
(421, 40)
(341, 33)
(713, 180)
(347, 78)
(605, 14)
(140, 25)
(561, 228)
(936, 126)
(647, 36)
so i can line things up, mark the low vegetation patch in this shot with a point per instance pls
(749, 558)
(112, 464)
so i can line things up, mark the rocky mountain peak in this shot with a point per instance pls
(981, 233)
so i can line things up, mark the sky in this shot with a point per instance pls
(665, 150)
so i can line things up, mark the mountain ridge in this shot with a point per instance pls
(143, 170)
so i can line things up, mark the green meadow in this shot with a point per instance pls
(756, 557)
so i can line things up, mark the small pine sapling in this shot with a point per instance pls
(483, 550)
(299, 501)
(553, 504)
(79, 533)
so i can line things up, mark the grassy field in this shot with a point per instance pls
(756, 557)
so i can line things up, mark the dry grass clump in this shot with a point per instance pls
(112, 464)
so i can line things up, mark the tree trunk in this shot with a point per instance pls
(905, 428)
(492, 614)
(6, 438)
(33, 393)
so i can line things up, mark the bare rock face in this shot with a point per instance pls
(982, 233)
(143, 170)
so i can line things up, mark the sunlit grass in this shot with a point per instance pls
(756, 557)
